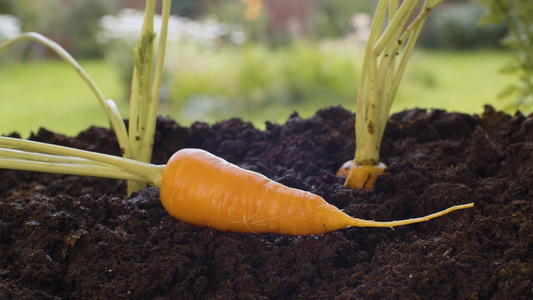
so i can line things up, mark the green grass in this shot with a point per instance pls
(254, 84)
(303, 78)
(50, 94)
(455, 81)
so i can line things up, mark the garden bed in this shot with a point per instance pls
(80, 237)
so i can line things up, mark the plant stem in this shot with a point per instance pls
(143, 57)
(382, 73)
(146, 86)
(148, 138)
(36, 156)
(67, 169)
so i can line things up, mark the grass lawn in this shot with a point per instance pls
(455, 81)
(49, 94)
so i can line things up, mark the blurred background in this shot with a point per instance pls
(259, 60)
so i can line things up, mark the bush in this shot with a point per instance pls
(234, 12)
(456, 26)
(72, 25)
(119, 34)
(187, 8)
(320, 74)
(6, 7)
(81, 26)
(516, 14)
(332, 17)
(232, 80)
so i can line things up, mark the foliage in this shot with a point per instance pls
(28, 12)
(119, 33)
(332, 17)
(234, 12)
(322, 73)
(73, 25)
(430, 75)
(456, 26)
(6, 7)
(234, 80)
(187, 8)
(392, 38)
(516, 14)
(81, 26)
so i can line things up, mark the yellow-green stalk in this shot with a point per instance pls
(145, 88)
(27, 155)
(390, 44)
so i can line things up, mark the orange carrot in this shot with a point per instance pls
(361, 177)
(202, 189)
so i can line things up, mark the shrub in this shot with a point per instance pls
(73, 25)
(187, 8)
(456, 26)
(312, 73)
(332, 17)
(81, 26)
(232, 80)
(234, 11)
(516, 14)
(119, 33)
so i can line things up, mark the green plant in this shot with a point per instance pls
(73, 25)
(332, 17)
(456, 26)
(388, 50)
(309, 72)
(187, 8)
(234, 12)
(516, 14)
(81, 26)
(214, 85)
(137, 141)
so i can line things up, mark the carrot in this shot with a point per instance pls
(202, 189)
(361, 177)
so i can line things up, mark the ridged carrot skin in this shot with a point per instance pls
(202, 189)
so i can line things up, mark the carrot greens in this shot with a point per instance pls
(393, 34)
(41, 157)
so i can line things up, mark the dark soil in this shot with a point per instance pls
(78, 237)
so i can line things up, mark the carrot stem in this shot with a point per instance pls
(146, 86)
(148, 138)
(82, 169)
(32, 154)
(382, 72)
